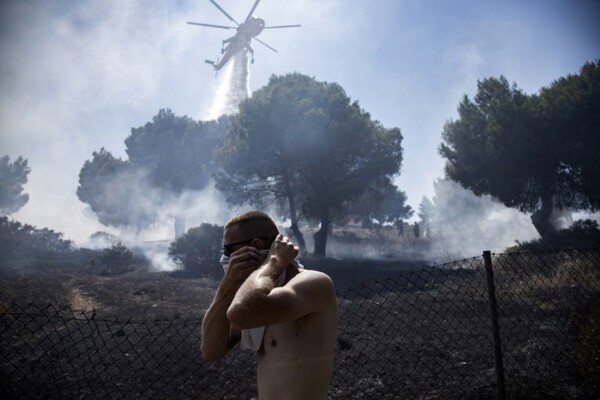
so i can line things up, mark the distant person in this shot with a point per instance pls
(271, 305)
(400, 226)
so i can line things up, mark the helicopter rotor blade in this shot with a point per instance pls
(212, 26)
(224, 12)
(264, 44)
(282, 26)
(252, 10)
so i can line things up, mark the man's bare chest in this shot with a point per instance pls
(287, 339)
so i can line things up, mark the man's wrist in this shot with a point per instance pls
(273, 267)
(227, 290)
(276, 264)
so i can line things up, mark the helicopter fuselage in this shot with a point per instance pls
(251, 28)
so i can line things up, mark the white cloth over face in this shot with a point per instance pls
(252, 338)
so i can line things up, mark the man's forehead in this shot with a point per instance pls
(244, 231)
(232, 234)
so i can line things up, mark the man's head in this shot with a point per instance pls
(252, 228)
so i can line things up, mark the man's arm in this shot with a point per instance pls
(259, 302)
(218, 334)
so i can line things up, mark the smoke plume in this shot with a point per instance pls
(464, 225)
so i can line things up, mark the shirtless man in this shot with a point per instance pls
(295, 357)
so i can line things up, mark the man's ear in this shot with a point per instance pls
(259, 244)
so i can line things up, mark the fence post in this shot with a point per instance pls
(489, 274)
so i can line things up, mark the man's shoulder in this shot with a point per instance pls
(313, 278)
(313, 274)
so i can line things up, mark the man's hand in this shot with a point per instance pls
(282, 251)
(241, 264)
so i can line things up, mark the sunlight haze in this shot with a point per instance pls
(77, 76)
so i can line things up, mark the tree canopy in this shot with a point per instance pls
(306, 146)
(12, 178)
(113, 191)
(569, 112)
(532, 152)
(176, 152)
(167, 156)
(381, 204)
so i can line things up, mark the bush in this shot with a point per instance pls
(198, 251)
(116, 260)
(22, 241)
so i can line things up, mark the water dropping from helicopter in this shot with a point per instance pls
(233, 87)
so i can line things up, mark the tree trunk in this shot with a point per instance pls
(321, 236)
(298, 235)
(294, 216)
(541, 219)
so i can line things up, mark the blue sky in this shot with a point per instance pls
(76, 76)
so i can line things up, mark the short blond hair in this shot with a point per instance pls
(254, 222)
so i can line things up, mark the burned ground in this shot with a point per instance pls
(406, 331)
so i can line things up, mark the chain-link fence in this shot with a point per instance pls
(425, 334)
(549, 316)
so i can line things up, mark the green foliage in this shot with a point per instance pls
(534, 152)
(111, 188)
(167, 156)
(176, 152)
(12, 178)
(380, 204)
(22, 241)
(115, 260)
(569, 111)
(198, 251)
(304, 145)
(488, 147)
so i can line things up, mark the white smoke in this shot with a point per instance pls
(464, 225)
(190, 208)
(233, 88)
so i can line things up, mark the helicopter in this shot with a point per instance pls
(246, 31)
